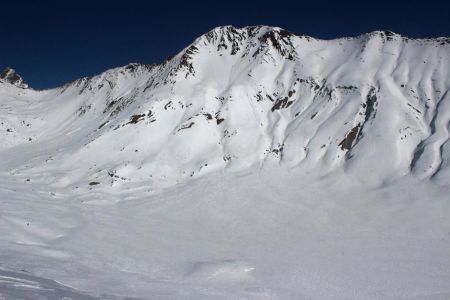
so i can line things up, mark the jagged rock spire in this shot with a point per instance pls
(9, 75)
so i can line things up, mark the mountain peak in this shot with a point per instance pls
(265, 42)
(231, 34)
(9, 75)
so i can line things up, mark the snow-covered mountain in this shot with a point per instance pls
(376, 104)
(352, 114)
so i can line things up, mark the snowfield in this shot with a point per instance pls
(255, 164)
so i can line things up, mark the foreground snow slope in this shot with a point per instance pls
(267, 234)
(261, 164)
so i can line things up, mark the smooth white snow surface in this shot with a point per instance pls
(255, 164)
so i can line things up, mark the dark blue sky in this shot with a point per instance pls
(52, 42)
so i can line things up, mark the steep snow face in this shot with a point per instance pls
(376, 105)
(327, 168)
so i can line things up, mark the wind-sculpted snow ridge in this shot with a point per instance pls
(20, 285)
(327, 143)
